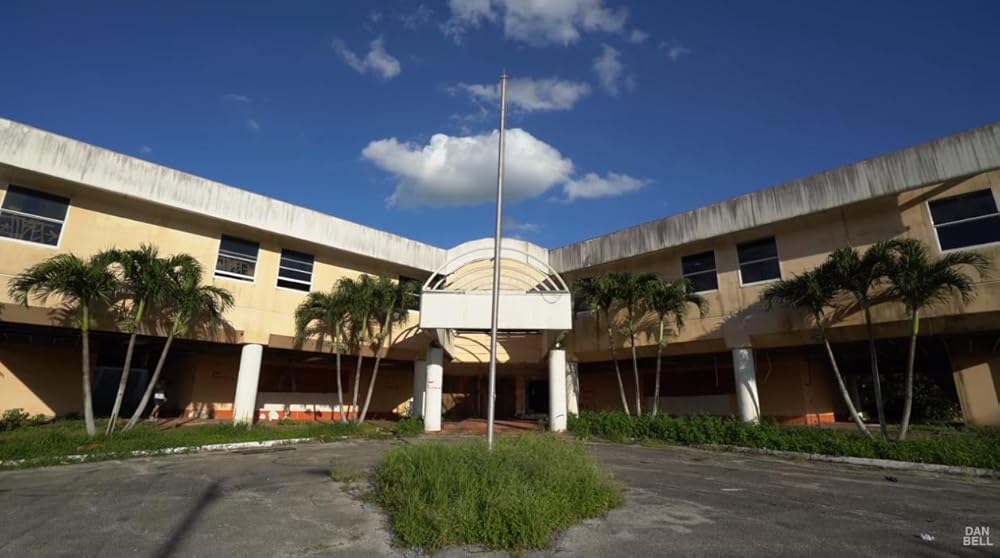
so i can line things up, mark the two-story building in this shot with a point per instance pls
(61, 195)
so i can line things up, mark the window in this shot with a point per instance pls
(295, 270)
(966, 220)
(699, 269)
(758, 261)
(414, 302)
(237, 258)
(32, 215)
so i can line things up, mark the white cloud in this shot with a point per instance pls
(531, 94)
(459, 170)
(516, 228)
(416, 18)
(236, 98)
(637, 36)
(674, 50)
(252, 124)
(536, 22)
(595, 186)
(608, 68)
(377, 60)
(145, 150)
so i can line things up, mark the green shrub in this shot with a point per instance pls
(409, 426)
(970, 446)
(14, 418)
(441, 494)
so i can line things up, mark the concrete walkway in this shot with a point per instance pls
(679, 501)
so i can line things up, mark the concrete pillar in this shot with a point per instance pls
(572, 388)
(419, 388)
(557, 390)
(746, 385)
(245, 400)
(432, 394)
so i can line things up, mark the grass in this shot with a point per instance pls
(50, 444)
(345, 475)
(968, 446)
(513, 498)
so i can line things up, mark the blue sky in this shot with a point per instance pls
(382, 113)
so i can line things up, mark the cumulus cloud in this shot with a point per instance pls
(608, 68)
(529, 95)
(462, 170)
(516, 228)
(595, 186)
(377, 61)
(537, 23)
(637, 36)
(252, 124)
(420, 16)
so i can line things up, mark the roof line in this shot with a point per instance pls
(44, 152)
(956, 155)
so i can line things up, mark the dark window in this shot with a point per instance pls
(414, 301)
(966, 220)
(758, 261)
(295, 270)
(699, 269)
(32, 215)
(237, 258)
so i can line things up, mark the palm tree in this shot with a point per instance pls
(324, 314)
(814, 291)
(670, 300)
(862, 277)
(391, 303)
(595, 295)
(82, 285)
(190, 304)
(144, 281)
(360, 297)
(630, 291)
(919, 283)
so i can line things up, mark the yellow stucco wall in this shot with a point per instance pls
(40, 380)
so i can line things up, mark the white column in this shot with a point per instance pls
(432, 395)
(419, 388)
(557, 390)
(572, 388)
(245, 401)
(746, 385)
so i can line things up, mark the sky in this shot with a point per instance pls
(385, 113)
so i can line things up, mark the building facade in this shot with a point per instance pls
(60, 195)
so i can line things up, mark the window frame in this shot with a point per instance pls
(233, 276)
(777, 257)
(714, 270)
(279, 278)
(937, 238)
(62, 229)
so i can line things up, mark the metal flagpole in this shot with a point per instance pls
(496, 266)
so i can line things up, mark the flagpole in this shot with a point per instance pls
(496, 265)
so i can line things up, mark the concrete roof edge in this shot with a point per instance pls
(953, 156)
(47, 153)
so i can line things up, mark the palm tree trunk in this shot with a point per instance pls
(876, 380)
(908, 401)
(378, 359)
(340, 389)
(152, 382)
(123, 382)
(840, 382)
(618, 371)
(635, 373)
(88, 402)
(357, 382)
(659, 358)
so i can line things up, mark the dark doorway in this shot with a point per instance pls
(506, 404)
(538, 396)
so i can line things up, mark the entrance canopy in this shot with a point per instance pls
(532, 295)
